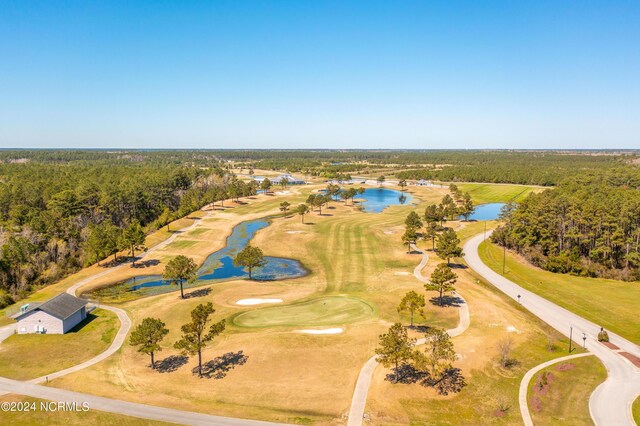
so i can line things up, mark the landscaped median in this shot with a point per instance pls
(559, 393)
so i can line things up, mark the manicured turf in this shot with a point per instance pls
(565, 398)
(334, 310)
(490, 193)
(636, 410)
(608, 303)
(40, 416)
(27, 356)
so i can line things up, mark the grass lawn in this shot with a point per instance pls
(564, 399)
(491, 193)
(608, 303)
(636, 410)
(494, 318)
(333, 310)
(27, 356)
(39, 417)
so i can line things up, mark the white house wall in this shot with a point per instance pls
(28, 323)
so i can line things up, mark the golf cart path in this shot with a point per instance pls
(609, 403)
(359, 399)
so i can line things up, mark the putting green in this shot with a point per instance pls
(332, 310)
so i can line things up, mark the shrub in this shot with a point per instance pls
(603, 336)
(6, 300)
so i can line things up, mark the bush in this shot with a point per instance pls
(6, 300)
(603, 336)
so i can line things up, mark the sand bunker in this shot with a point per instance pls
(403, 273)
(336, 330)
(294, 232)
(248, 302)
(512, 329)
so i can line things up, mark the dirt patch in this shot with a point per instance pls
(499, 413)
(541, 388)
(535, 404)
(634, 359)
(565, 367)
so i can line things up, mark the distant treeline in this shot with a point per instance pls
(520, 167)
(589, 226)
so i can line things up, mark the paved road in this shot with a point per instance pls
(524, 384)
(122, 407)
(6, 331)
(359, 399)
(609, 404)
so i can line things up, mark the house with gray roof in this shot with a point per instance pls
(55, 316)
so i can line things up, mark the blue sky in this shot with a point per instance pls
(320, 74)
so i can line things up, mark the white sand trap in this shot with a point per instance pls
(283, 192)
(403, 273)
(248, 302)
(512, 329)
(389, 232)
(336, 330)
(294, 232)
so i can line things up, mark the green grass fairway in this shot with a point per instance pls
(39, 417)
(491, 193)
(334, 310)
(183, 244)
(608, 303)
(636, 410)
(27, 356)
(565, 399)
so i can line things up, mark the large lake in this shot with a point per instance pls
(217, 266)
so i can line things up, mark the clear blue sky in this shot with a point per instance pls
(320, 74)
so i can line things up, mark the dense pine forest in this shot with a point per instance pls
(588, 225)
(62, 210)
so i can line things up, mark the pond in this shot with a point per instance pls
(217, 266)
(489, 211)
(378, 199)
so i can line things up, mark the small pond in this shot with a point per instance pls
(217, 266)
(489, 211)
(378, 199)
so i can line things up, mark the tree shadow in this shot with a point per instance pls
(309, 223)
(457, 266)
(406, 374)
(447, 301)
(171, 363)
(452, 381)
(218, 367)
(146, 263)
(198, 293)
(419, 328)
